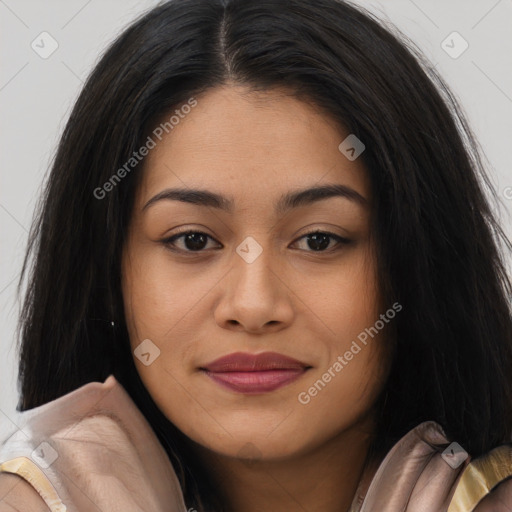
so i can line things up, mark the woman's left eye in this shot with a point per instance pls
(318, 241)
(196, 241)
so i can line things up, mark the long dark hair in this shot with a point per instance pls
(437, 237)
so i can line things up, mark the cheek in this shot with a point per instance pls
(345, 387)
(349, 302)
(351, 376)
(156, 295)
(334, 400)
(164, 303)
(156, 304)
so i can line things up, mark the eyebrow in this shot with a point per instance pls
(286, 202)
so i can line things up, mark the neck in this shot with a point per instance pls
(324, 479)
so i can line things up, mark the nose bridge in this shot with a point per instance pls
(253, 265)
(255, 296)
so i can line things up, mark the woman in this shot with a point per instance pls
(266, 277)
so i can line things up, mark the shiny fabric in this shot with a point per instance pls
(108, 457)
(414, 477)
(92, 449)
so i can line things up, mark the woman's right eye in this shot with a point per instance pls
(192, 241)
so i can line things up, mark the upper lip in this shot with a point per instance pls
(246, 362)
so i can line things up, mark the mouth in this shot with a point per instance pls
(254, 373)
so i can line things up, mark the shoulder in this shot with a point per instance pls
(16, 494)
(93, 441)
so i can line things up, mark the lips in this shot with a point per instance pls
(254, 373)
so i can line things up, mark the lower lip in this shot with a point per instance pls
(255, 382)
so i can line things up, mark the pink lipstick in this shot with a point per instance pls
(254, 373)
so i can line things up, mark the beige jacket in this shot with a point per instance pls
(92, 449)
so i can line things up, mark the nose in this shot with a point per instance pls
(255, 296)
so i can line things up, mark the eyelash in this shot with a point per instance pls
(169, 243)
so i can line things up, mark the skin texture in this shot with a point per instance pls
(266, 451)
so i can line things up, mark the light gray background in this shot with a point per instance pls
(36, 96)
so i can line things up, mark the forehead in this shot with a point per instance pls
(252, 145)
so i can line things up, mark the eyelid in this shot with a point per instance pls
(324, 232)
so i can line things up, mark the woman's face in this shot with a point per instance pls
(250, 281)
